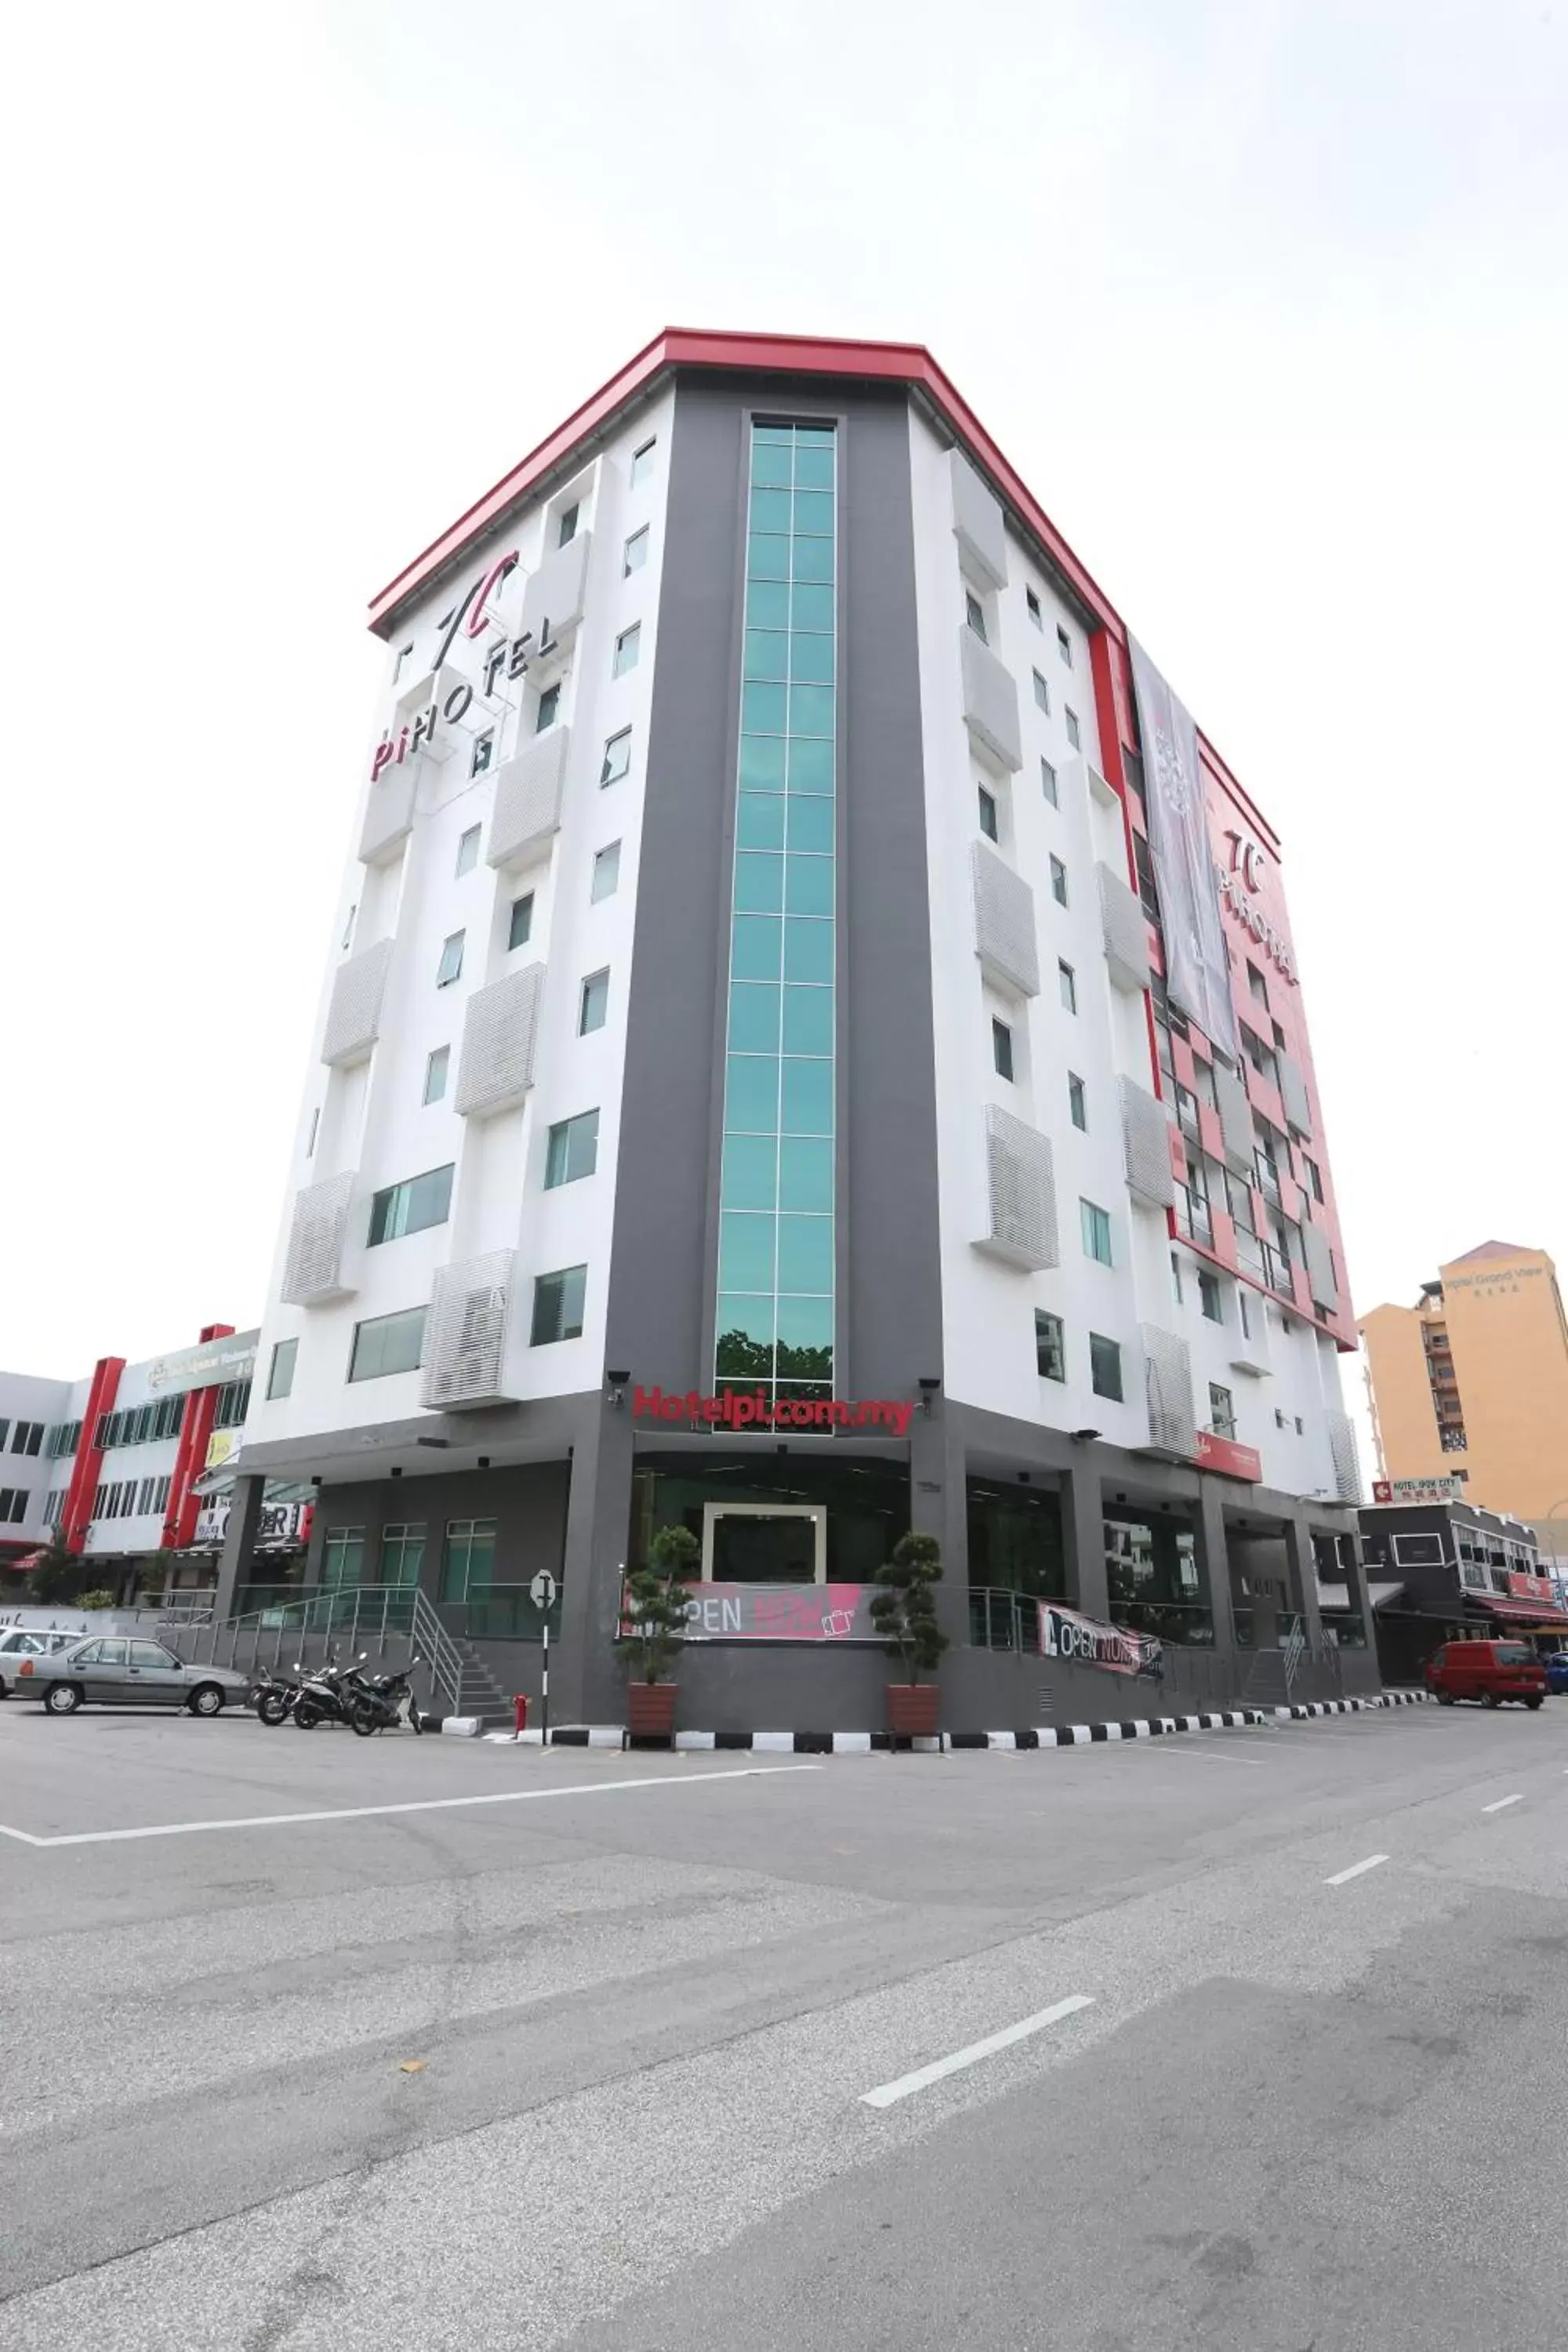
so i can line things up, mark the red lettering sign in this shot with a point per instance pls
(1230, 1460)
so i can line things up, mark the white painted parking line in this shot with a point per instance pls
(1355, 1870)
(1503, 1803)
(888, 2094)
(423, 1805)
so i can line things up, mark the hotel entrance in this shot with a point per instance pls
(773, 1518)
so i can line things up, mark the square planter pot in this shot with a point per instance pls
(912, 1710)
(650, 1711)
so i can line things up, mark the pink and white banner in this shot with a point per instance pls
(1085, 1641)
(1197, 972)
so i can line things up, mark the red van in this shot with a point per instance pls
(1490, 1670)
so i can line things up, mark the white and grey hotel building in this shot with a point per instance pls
(755, 1086)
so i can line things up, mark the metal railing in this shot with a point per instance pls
(1180, 1623)
(505, 1613)
(368, 1618)
(1002, 1619)
(1193, 1215)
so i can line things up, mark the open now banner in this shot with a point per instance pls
(1085, 1641)
(777, 1613)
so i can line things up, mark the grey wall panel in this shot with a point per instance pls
(1293, 1094)
(529, 788)
(1124, 929)
(1346, 1460)
(990, 702)
(1146, 1146)
(500, 1037)
(977, 524)
(1005, 935)
(1234, 1117)
(556, 591)
(1315, 1250)
(354, 1014)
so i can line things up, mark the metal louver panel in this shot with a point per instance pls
(1342, 1447)
(1168, 1386)
(1005, 937)
(977, 523)
(354, 1015)
(556, 591)
(1293, 1094)
(1318, 1257)
(312, 1270)
(1021, 1194)
(465, 1334)
(389, 815)
(501, 1033)
(1234, 1117)
(528, 799)
(990, 702)
(1146, 1142)
(1124, 929)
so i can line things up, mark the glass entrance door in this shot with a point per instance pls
(752, 1543)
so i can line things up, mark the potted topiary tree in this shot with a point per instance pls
(903, 1611)
(653, 1628)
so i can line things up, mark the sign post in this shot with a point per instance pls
(542, 1592)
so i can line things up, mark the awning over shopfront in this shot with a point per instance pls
(1537, 1614)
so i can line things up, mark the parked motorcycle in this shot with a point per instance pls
(274, 1696)
(377, 1701)
(324, 1697)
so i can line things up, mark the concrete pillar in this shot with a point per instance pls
(1303, 1566)
(587, 1684)
(1354, 1564)
(938, 1506)
(1214, 1559)
(239, 1544)
(1083, 1536)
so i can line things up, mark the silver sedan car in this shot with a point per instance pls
(125, 1670)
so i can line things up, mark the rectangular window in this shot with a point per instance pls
(1067, 983)
(1096, 1227)
(633, 555)
(387, 1343)
(482, 753)
(468, 1566)
(1314, 1177)
(521, 924)
(1042, 691)
(409, 1207)
(572, 1151)
(1078, 1109)
(1210, 1297)
(1105, 1367)
(315, 1130)
(1221, 1411)
(1244, 1312)
(467, 851)
(1002, 1048)
(402, 1555)
(642, 462)
(1064, 645)
(628, 647)
(558, 1305)
(402, 655)
(1049, 782)
(1074, 736)
(566, 530)
(343, 1560)
(987, 802)
(1256, 983)
(1032, 606)
(974, 612)
(27, 1436)
(593, 1007)
(436, 1068)
(1050, 1354)
(1058, 882)
(617, 757)
(451, 966)
(233, 1404)
(1176, 1278)
(606, 873)
(280, 1376)
(549, 706)
(349, 929)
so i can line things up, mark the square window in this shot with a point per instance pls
(1058, 882)
(1002, 1049)
(1095, 1225)
(549, 704)
(628, 646)
(633, 555)
(988, 825)
(974, 612)
(1032, 605)
(566, 529)
(1042, 691)
(467, 851)
(521, 924)
(482, 753)
(573, 1150)
(642, 462)
(1049, 782)
(1050, 1352)
(1067, 981)
(1074, 736)
(451, 966)
(617, 757)
(1078, 1110)
(594, 1008)
(558, 1304)
(1064, 645)
(606, 873)
(280, 1377)
(1209, 1296)
(1105, 1367)
(435, 1068)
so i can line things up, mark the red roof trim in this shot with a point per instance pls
(908, 363)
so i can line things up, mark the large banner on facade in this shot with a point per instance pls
(778, 1612)
(1196, 973)
(1085, 1641)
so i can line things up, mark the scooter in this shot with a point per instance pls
(377, 1702)
(274, 1698)
(326, 1694)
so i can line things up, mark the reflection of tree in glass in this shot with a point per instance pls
(797, 1363)
(740, 1356)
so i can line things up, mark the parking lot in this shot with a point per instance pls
(310, 2039)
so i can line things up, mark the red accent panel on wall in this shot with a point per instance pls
(1181, 1062)
(100, 1396)
(190, 1458)
(1224, 1236)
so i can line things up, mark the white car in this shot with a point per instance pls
(19, 1641)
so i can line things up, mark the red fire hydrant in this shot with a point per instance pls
(520, 1701)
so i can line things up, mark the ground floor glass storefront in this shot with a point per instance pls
(1153, 1577)
(772, 1521)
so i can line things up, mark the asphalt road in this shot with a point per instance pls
(576, 2050)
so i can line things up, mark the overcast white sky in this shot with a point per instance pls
(1264, 297)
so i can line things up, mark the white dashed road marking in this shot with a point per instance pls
(888, 2094)
(1355, 1870)
(1517, 1799)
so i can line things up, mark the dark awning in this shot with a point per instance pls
(1521, 1613)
